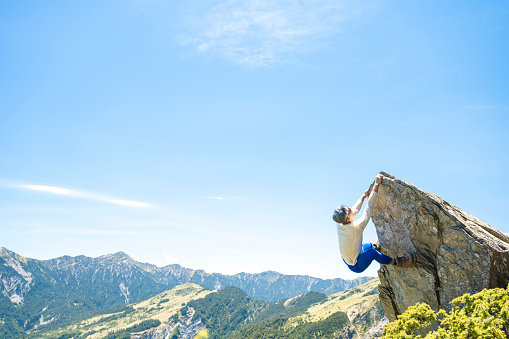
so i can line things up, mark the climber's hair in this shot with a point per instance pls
(341, 214)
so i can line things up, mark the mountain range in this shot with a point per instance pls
(49, 293)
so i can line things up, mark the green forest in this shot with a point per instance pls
(230, 313)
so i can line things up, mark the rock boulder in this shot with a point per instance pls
(456, 252)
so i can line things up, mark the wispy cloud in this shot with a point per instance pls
(223, 198)
(49, 189)
(81, 194)
(128, 203)
(262, 32)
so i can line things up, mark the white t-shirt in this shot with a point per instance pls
(350, 235)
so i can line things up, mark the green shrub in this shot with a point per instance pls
(482, 315)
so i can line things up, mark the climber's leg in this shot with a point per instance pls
(367, 256)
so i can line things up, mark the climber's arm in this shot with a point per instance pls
(357, 206)
(364, 219)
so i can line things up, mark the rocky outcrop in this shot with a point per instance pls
(456, 252)
(184, 328)
(367, 321)
(15, 282)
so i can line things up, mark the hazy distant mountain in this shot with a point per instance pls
(40, 292)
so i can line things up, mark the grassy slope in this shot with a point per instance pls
(352, 301)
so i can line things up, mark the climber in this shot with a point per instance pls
(356, 255)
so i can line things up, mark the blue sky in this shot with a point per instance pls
(221, 135)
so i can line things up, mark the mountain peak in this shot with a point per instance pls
(7, 254)
(121, 254)
(4, 252)
(117, 256)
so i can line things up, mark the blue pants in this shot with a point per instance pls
(367, 255)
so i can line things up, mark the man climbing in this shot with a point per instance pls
(355, 254)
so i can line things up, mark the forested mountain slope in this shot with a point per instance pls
(189, 309)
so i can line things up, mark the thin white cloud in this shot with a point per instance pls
(80, 194)
(263, 32)
(128, 203)
(49, 189)
(223, 198)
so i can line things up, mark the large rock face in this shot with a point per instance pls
(456, 252)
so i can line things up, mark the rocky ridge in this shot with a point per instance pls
(126, 276)
(15, 280)
(187, 328)
(456, 252)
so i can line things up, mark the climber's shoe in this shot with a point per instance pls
(406, 261)
(377, 247)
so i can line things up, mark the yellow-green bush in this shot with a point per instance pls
(482, 315)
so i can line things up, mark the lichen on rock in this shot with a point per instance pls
(456, 252)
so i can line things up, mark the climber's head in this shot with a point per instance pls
(341, 215)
